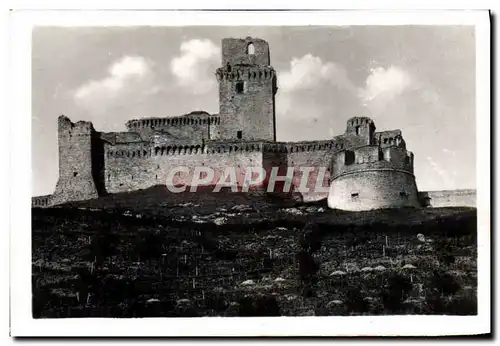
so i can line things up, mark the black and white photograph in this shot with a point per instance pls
(203, 168)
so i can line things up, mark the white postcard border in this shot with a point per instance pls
(19, 111)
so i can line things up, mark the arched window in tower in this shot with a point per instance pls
(250, 49)
(357, 130)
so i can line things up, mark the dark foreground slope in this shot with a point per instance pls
(251, 259)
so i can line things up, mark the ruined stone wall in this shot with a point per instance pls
(452, 198)
(41, 201)
(390, 138)
(238, 51)
(78, 164)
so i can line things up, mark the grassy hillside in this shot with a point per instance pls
(133, 259)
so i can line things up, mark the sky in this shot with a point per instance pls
(420, 79)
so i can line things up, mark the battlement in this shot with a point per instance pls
(41, 201)
(245, 72)
(358, 121)
(308, 146)
(194, 118)
(130, 150)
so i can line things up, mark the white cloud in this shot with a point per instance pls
(310, 71)
(384, 84)
(194, 67)
(309, 92)
(121, 74)
(130, 82)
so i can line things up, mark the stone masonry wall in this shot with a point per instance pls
(370, 158)
(453, 198)
(130, 172)
(319, 177)
(365, 190)
(249, 109)
(137, 166)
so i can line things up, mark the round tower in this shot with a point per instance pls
(373, 173)
(367, 189)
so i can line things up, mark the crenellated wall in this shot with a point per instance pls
(191, 127)
(141, 165)
(41, 201)
(94, 163)
(135, 167)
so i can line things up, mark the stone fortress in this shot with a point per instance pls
(364, 169)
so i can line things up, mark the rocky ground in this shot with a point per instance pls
(135, 259)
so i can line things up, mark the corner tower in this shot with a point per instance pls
(247, 88)
(374, 172)
(78, 164)
(360, 131)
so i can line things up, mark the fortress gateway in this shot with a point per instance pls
(364, 169)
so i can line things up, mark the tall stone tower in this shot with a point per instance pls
(77, 166)
(247, 88)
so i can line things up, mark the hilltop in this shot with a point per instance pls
(127, 256)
